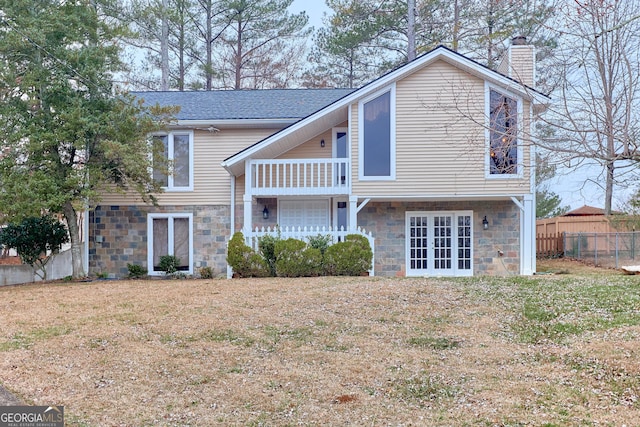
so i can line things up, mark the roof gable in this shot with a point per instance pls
(234, 164)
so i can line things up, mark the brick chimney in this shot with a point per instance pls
(519, 61)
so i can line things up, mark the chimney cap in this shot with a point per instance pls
(519, 41)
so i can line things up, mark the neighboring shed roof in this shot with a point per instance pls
(588, 210)
(245, 104)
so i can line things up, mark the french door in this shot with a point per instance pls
(439, 243)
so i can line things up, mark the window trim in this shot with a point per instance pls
(170, 233)
(171, 147)
(392, 137)
(487, 133)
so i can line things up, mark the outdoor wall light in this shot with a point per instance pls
(322, 143)
(485, 223)
(265, 212)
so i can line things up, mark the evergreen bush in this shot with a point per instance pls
(352, 257)
(136, 271)
(267, 247)
(169, 264)
(295, 259)
(243, 260)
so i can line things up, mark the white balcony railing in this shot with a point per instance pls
(299, 177)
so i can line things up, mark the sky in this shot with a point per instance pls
(314, 9)
(583, 186)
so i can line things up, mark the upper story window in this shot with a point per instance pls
(377, 136)
(504, 150)
(178, 151)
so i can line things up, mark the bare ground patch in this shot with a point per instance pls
(342, 351)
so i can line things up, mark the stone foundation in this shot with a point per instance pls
(118, 236)
(387, 223)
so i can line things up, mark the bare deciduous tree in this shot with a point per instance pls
(595, 115)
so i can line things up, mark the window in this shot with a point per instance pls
(169, 234)
(503, 134)
(178, 152)
(377, 136)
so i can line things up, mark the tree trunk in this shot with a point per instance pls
(608, 193)
(76, 244)
(209, 49)
(411, 30)
(164, 48)
(456, 26)
(239, 57)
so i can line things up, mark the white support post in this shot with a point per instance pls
(353, 213)
(248, 217)
(528, 235)
(247, 199)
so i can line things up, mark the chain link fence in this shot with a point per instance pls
(604, 249)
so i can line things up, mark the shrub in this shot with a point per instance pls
(36, 239)
(169, 264)
(244, 261)
(206, 273)
(320, 242)
(136, 271)
(349, 258)
(267, 247)
(295, 259)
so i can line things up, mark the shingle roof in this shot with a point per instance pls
(245, 104)
(587, 210)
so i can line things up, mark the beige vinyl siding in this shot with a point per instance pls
(211, 181)
(440, 139)
(311, 149)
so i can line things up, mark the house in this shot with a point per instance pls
(433, 161)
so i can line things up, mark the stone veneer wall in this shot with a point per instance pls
(387, 223)
(124, 233)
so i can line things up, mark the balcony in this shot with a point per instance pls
(295, 177)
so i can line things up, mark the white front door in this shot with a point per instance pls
(439, 243)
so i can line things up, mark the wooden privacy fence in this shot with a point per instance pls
(550, 245)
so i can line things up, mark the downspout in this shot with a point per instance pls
(85, 225)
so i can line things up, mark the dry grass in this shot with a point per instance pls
(337, 351)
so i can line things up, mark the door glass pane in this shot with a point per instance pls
(160, 240)
(442, 244)
(181, 161)
(418, 239)
(342, 215)
(181, 242)
(464, 242)
(341, 153)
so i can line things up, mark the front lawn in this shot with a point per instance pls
(550, 350)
